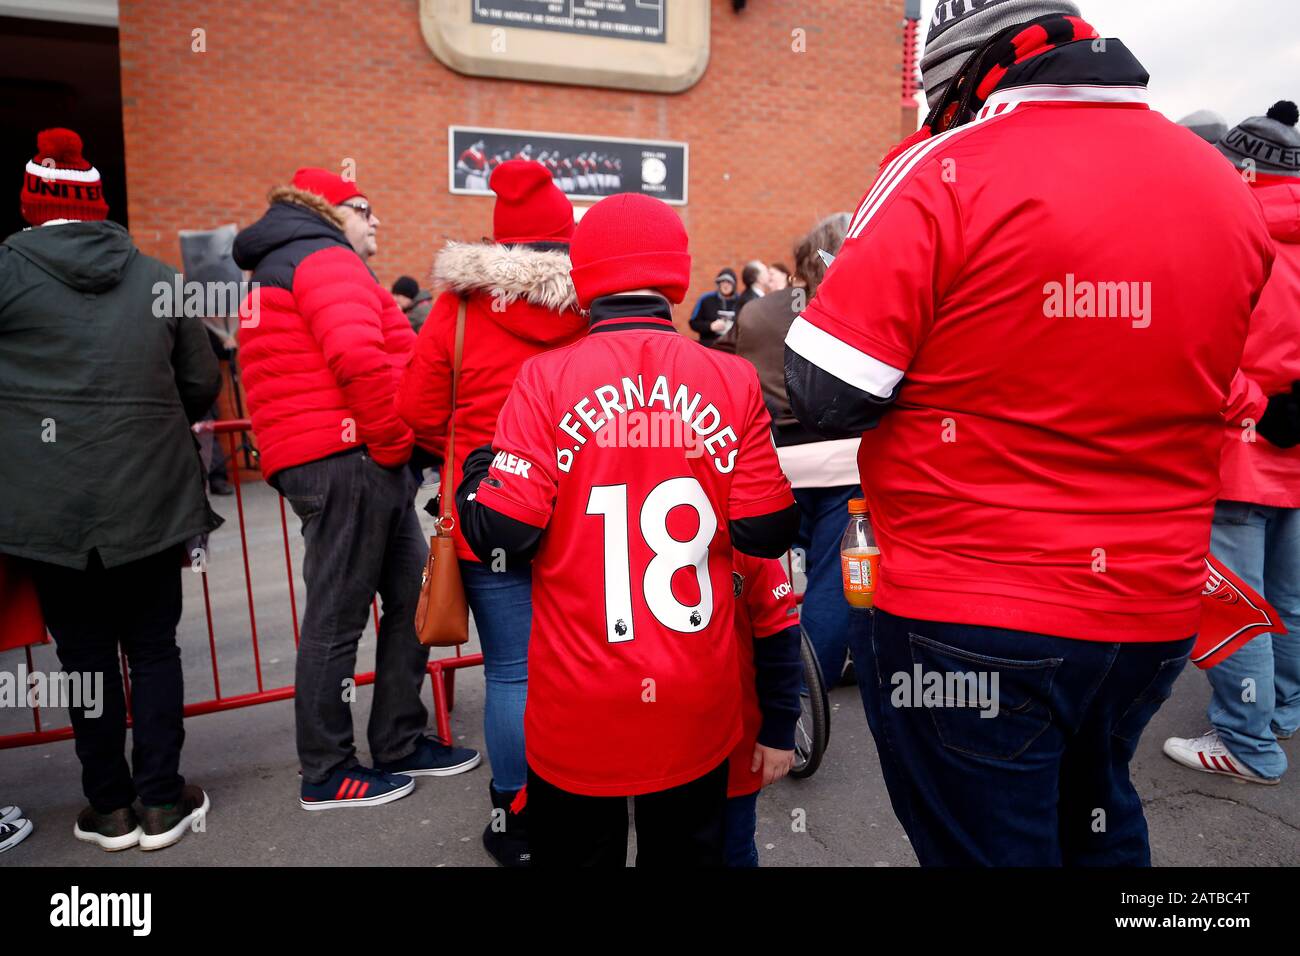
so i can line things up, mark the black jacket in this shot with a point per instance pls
(97, 393)
(711, 306)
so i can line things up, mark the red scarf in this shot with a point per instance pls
(989, 66)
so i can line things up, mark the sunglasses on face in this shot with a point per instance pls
(362, 209)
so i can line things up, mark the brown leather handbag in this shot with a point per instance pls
(442, 616)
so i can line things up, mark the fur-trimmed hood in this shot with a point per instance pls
(511, 272)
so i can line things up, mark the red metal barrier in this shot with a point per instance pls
(442, 671)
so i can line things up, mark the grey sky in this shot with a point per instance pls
(1236, 58)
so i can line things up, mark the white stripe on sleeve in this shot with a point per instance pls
(842, 360)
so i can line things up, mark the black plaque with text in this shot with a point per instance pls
(622, 19)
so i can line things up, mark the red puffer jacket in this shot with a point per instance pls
(520, 303)
(1257, 471)
(325, 346)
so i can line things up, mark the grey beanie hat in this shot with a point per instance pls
(960, 27)
(1267, 144)
(1207, 124)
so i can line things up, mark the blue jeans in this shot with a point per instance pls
(824, 514)
(739, 825)
(1262, 545)
(502, 604)
(1043, 780)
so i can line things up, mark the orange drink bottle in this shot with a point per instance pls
(859, 557)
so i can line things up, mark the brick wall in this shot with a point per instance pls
(777, 138)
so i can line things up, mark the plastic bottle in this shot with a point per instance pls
(859, 557)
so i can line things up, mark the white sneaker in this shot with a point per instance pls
(10, 814)
(1208, 754)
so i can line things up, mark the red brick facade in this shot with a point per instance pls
(777, 138)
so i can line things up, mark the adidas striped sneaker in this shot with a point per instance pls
(1208, 754)
(355, 787)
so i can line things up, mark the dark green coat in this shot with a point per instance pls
(85, 362)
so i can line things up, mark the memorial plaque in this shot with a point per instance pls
(622, 19)
(583, 167)
(658, 46)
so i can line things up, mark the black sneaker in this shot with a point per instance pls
(432, 758)
(165, 825)
(355, 787)
(119, 830)
(14, 833)
(506, 835)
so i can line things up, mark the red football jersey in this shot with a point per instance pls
(764, 607)
(633, 448)
(1052, 461)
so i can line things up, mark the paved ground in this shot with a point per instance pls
(245, 759)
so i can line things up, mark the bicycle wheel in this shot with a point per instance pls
(814, 727)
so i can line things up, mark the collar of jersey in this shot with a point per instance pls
(1075, 74)
(611, 313)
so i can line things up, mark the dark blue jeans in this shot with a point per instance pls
(362, 537)
(824, 514)
(1043, 780)
(738, 827)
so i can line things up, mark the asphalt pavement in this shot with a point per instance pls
(245, 760)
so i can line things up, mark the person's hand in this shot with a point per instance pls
(774, 764)
(718, 325)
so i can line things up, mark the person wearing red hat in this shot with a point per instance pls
(625, 468)
(102, 488)
(519, 302)
(322, 358)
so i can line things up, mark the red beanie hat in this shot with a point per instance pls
(331, 187)
(530, 208)
(630, 241)
(59, 183)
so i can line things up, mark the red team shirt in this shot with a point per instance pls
(765, 608)
(1042, 430)
(633, 448)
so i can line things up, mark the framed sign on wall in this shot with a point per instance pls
(583, 167)
(659, 46)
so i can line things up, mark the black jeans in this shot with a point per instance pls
(362, 537)
(681, 827)
(91, 613)
(1043, 780)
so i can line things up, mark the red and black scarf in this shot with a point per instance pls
(990, 65)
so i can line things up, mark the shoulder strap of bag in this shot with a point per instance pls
(448, 493)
